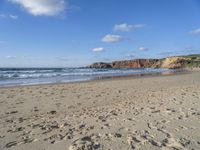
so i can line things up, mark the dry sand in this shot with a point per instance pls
(144, 113)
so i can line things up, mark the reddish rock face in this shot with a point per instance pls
(137, 63)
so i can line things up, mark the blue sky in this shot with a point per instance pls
(66, 33)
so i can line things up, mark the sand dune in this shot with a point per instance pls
(147, 113)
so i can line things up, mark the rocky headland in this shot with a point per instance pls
(175, 62)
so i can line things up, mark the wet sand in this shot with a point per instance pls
(159, 112)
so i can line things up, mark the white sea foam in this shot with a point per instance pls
(19, 76)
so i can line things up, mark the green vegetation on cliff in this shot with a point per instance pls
(193, 61)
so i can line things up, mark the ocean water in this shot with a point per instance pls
(30, 76)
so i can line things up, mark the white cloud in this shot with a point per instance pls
(126, 27)
(196, 31)
(130, 55)
(4, 16)
(109, 38)
(9, 57)
(13, 16)
(143, 49)
(42, 7)
(98, 49)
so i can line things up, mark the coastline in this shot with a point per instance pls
(149, 112)
(132, 76)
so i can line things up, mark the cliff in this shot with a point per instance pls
(190, 61)
(174, 62)
(100, 65)
(137, 63)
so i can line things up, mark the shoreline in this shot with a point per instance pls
(175, 72)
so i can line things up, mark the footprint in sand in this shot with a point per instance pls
(11, 144)
(141, 138)
(86, 143)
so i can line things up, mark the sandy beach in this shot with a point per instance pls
(147, 113)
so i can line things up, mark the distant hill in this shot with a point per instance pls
(174, 62)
